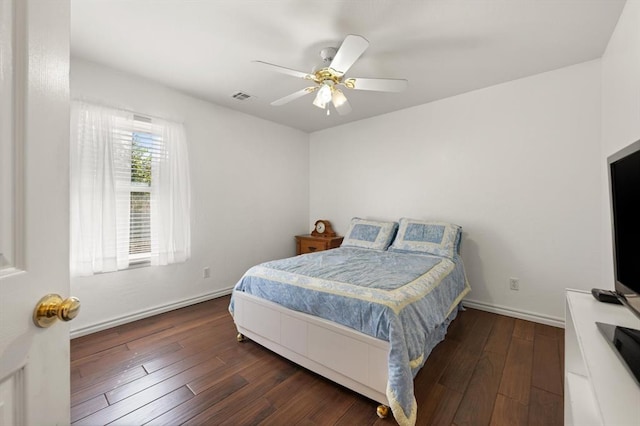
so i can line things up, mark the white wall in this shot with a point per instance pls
(620, 109)
(517, 165)
(250, 196)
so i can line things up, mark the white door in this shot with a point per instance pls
(34, 212)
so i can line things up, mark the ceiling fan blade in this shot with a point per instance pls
(340, 102)
(284, 70)
(376, 84)
(352, 47)
(294, 96)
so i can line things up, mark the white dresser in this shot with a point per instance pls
(599, 389)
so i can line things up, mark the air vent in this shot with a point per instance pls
(137, 117)
(240, 96)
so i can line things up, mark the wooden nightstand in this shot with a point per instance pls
(310, 244)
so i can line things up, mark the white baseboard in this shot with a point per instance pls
(502, 310)
(515, 313)
(147, 313)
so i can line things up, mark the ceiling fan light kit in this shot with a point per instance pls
(337, 63)
(324, 95)
(339, 98)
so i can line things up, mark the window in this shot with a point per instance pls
(144, 145)
(130, 201)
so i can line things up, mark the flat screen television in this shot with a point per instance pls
(624, 188)
(624, 185)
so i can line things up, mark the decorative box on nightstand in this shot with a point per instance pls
(309, 243)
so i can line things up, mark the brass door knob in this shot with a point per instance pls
(51, 308)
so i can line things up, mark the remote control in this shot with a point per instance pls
(606, 296)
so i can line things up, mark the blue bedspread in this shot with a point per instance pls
(405, 299)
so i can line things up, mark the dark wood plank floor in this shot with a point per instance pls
(185, 367)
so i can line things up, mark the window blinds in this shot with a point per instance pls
(147, 147)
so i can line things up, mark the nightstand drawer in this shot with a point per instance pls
(311, 244)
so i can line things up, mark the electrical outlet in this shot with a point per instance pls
(514, 284)
(206, 272)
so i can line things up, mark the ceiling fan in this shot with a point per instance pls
(336, 63)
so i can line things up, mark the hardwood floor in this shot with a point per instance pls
(185, 367)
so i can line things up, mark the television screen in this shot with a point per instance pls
(624, 169)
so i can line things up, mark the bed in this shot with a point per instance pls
(365, 315)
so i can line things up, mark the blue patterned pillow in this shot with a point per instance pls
(370, 234)
(421, 236)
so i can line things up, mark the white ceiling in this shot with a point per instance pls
(443, 47)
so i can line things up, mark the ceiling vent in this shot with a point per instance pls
(240, 96)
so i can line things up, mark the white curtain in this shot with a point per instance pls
(101, 190)
(100, 181)
(170, 198)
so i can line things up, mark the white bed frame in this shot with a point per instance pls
(346, 356)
